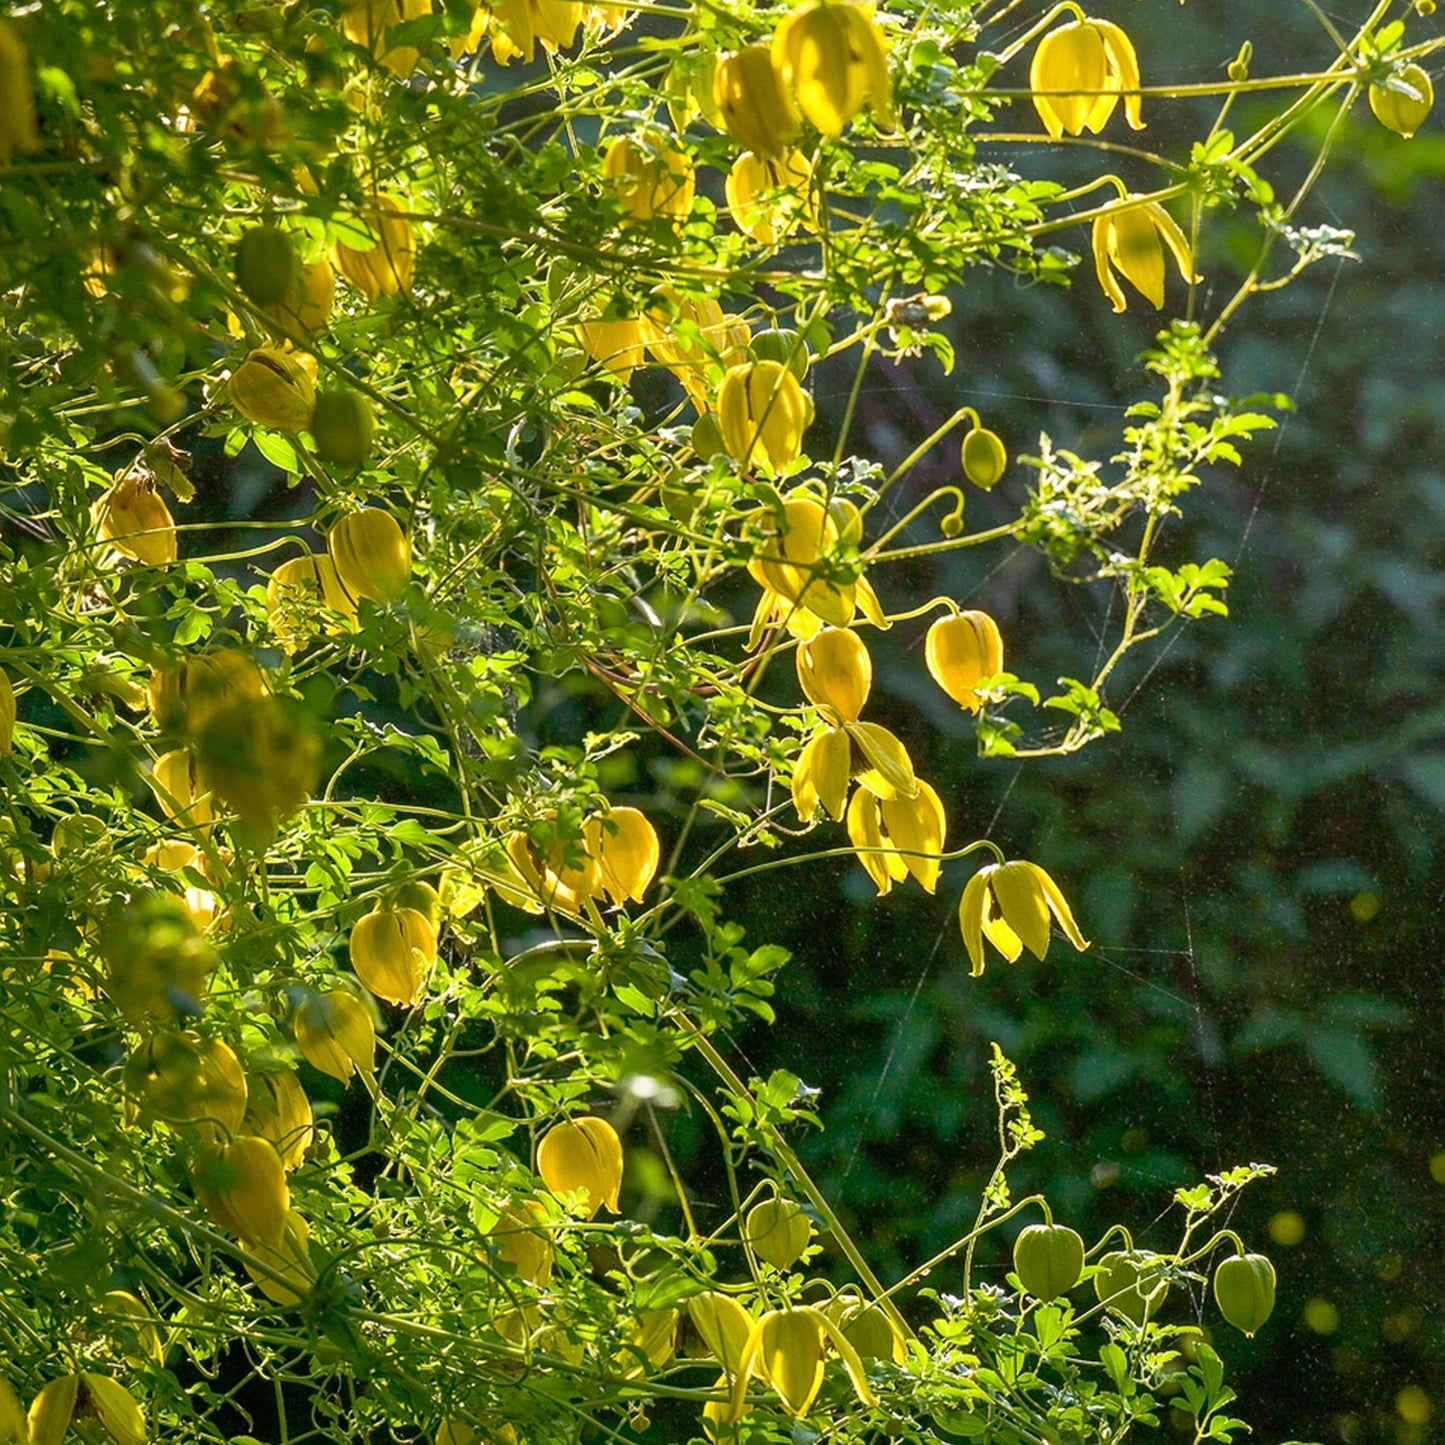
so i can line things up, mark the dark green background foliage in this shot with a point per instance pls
(1279, 775)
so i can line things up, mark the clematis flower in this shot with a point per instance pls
(651, 177)
(1079, 73)
(1009, 905)
(582, 1157)
(1128, 241)
(835, 672)
(763, 411)
(916, 826)
(834, 57)
(754, 104)
(785, 1349)
(962, 650)
(768, 196)
(822, 774)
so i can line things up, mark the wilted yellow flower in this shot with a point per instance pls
(786, 1350)
(1009, 905)
(133, 517)
(1128, 241)
(1078, 74)
(835, 672)
(651, 177)
(763, 411)
(754, 104)
(768, 196)
(834, 57)
(582, 1156)
(960, 651)
(916, 826)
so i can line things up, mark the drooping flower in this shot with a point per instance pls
(651, 177)
(822, 774)
(754, 104)
(835, 672)
(767, 196)
(834, 57)
(914, 826)
(582, 1156)
(960, 651)
(1079, 74)
(1128, 240)
(763, 411)
(786, 1350)
(1009, 905)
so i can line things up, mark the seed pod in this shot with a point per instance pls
(1048, 1259)
(266, 264)
(780, 344)
(1394, 109)
(275, 388)
(1128, 1283)
(962, 650)
(156, 962)
(391, 951)
(778, 1231)
(835, 671)
(7, 714)
(417, 894)
(372, 554)
(582, 1156)
(754, 104)
(1244, 1291)
(651, 177)
(195, 1085)
(262, 760)
(242, 1186)
(298, 587)
(133, 517)
(278, 1111)
(335, 1035)
(183, 698)
(985, 459)
(388, 267)
(341, 426)
(706, 437)
(307, 304)
(764, 413)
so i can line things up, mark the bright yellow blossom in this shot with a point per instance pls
(1079, 73)
(835, 672)
(1127, 240)
(786, 1350)
(834, 57)
(915, 826)
(1009, 905)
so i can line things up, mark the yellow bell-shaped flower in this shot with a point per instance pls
(650, 176)
(767, 196)
(915, 826)
(389, 266)
(1128, 241)
(290, 1258)
(1079, 73)
(822, 774)
(1009, 904)
(195, 1085)
(297, 589)
(833, 56)
(133, 517)
(521, 1240)
(17, 96)
(835, 672)
(278, 1111)
(762, 408)
(582, 1156)
(365, 22)
(275, 388)
(336, 1035)
(960, 651)
(692, 336)
(372, 554)
(755, 106)
(183, 698)
(306, 306)
(789, 547)
(156, 961)
(881, 763)
(179, 790)
(391, 950)
(617, 343)
(242, 1186)
(629, 853)
(786, 1350)
(724, 1326)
